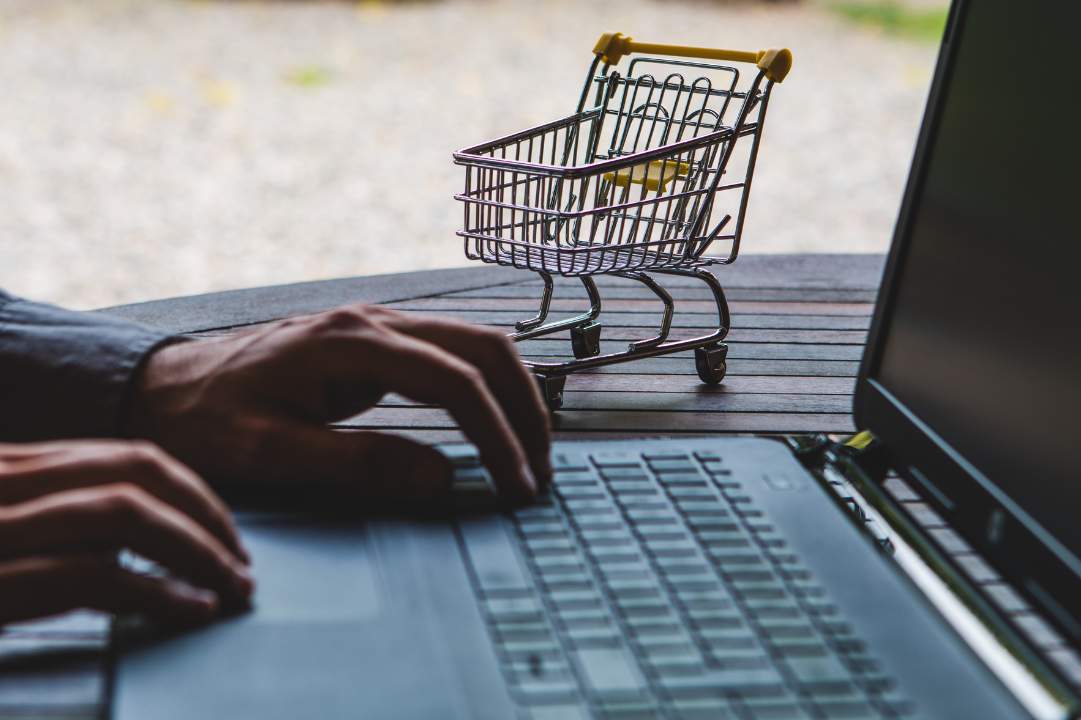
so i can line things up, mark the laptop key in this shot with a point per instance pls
(539, 667)
(715, 522)
(594, 636)
(735, 653)
(528, 649)
(642, 502)
(514, 609)
(643, 607)
(542, 528)
(670, 548)
(573, 599)
(566, 581)
(799, 648)
(585, 507)
(557, 712)
(767, 708)
(677, 479)
(691, 566)
(568, 462)
(758, 681)
(514, 631)
(645, 626)
(608, 671)
(651, 517)
(633, 587)
(700, 506)
(550, 565)
(822, 674)
(550, 545)
(662, 532)
(624, 571)
(654, 646)
(662, 467)
(633, 472)
(849, 710)
(492, 555)
(579, 492)
(608, 459)
(722, 534)
(776, 630)
(692, 492)
(710, 599)
(566, 479)
(666, 455)
(584, 616)
(536, 691)
(688, 663)
(693, 582)
(632, 487)
(614, 555)
(607, 537)
(702, 709)
(618, 709)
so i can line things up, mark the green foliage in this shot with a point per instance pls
(309, 76)
(894, 18)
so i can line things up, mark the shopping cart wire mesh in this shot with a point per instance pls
(651, 171)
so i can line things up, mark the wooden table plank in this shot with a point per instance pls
(675, 366)
(708, 321)
(689, 384)
(531, 290)
(736, 335)
(558, 348)
(626, 420)
(640, 305)
(712, 400)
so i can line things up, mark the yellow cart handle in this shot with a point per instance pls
(775, 63)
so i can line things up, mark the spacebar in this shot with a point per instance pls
(492, 555)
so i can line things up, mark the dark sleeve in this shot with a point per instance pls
(66, 374)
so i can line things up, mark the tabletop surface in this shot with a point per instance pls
(799, 323)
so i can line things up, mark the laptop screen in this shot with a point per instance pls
(980, 338)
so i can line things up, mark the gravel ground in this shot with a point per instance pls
(151, 148)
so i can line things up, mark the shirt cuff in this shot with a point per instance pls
(67, 374)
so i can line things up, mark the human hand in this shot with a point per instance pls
(67, 508)
(254, 406)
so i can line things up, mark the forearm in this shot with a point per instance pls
(66, 374)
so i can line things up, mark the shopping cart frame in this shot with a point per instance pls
(635, 261)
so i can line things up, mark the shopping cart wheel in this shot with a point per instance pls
(586, 340)
(552, 390)
(710, 362)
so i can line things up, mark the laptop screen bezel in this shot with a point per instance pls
(1029, 557)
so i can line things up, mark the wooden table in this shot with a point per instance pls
(798, 329)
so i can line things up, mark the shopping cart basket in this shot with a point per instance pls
(642, 179)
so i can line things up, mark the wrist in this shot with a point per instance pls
(152, 385)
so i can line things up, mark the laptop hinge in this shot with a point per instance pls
(856, 472)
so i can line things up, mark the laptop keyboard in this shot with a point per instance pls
(653, 587)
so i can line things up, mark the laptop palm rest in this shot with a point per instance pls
(351, 619)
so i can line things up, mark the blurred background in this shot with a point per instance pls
(151, 148)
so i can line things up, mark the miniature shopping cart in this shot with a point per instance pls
(643, 179)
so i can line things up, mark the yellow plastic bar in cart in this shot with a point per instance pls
(775, 63)
(654, 175)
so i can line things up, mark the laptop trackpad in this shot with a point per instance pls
(351, 620)
(297, 563)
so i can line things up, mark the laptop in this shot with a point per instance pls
(721, 577)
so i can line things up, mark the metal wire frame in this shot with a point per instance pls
(547, 199)
(656, 346)
(550, 187)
